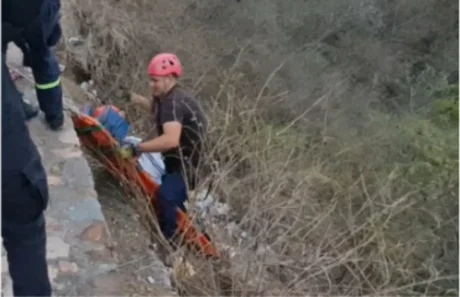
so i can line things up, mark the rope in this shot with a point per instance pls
(155, 164)
(67, 106)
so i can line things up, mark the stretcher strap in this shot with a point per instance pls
(88, 130)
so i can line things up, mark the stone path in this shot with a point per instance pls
(78, 249)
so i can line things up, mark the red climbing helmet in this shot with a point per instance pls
(165, 64)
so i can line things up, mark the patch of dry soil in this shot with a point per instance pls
(142, 272)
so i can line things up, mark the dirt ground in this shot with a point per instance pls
(142, 272)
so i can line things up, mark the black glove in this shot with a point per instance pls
(129, 150)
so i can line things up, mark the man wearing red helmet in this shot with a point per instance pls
(181, 127)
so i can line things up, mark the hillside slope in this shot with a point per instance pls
(335, 127)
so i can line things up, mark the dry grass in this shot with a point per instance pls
(333, 189)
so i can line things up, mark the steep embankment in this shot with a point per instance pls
(334, 125)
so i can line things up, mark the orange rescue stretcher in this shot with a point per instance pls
(99, 141)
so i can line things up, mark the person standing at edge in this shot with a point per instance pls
(181, 126)
(24, 183)
(39, 30)
(24, 198)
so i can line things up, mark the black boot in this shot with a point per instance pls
(30, 111)
(55, 123)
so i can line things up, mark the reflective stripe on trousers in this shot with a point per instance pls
(48, 85)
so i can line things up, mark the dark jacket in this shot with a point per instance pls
(19, 15)
(18, 149)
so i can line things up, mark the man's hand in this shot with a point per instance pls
(128, 151)
(135, 98)
(141, 101)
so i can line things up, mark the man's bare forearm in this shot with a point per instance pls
(157, 145)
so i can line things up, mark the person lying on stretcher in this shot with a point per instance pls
(114, 121)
